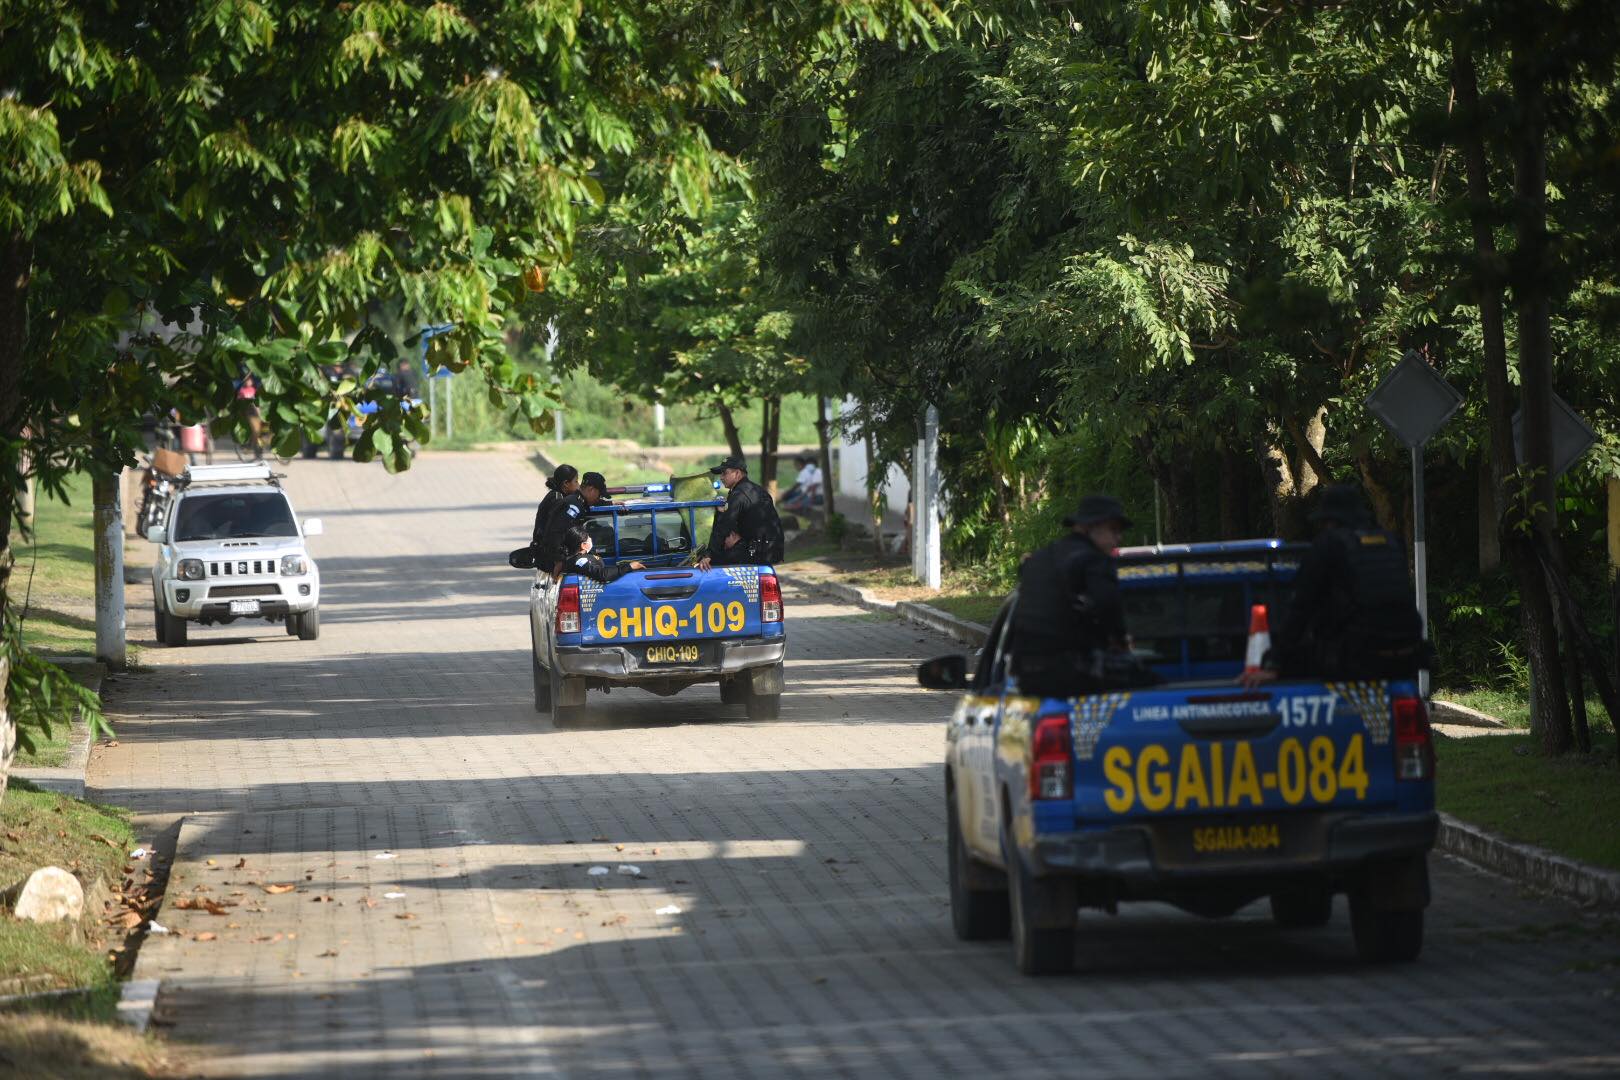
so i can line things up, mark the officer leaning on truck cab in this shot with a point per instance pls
(1353, 614)
(581, 561)
(746, 529)
(1068, 632)
(571, 510)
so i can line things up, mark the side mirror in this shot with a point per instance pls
(943, 673)
(158, 534)
(313, 527)
(521, 558)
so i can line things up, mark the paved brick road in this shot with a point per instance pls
(399, 755)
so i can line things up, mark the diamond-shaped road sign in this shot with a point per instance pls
(1572, 436)
(1413, 400)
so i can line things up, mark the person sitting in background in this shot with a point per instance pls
(577, 541)
(806, 490)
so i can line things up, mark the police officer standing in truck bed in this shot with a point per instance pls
(746, 530)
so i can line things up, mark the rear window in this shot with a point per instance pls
(234, 517)
(1190, 620)
(641, 533)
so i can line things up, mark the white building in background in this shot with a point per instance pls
(851, 468)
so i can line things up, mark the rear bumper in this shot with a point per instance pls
(620, 664)
(1126, 853)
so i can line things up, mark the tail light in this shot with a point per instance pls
(770, 598)
(1414, 745)
(568, 610)
(1051, 768)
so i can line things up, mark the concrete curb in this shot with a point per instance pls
(1529, 864)
(1449, 712)
(930, 618)
(136, 1002)
(68, 778)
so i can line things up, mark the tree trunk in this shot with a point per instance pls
(1310, 438)
(770, 432)
(16, 261)
(729, 422)
(824, 442)
(8, 731)
(1490, 544)
(1549, 717)
(1279, 478)
(874, 495)
(1383, 505)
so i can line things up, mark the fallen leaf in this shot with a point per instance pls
(241, 864)
(212, 862)
(129, 920)
(328, 952)
(405, 915)
(93, 836)
(207, 935)
(277, 890)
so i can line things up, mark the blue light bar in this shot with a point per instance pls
(655, 489)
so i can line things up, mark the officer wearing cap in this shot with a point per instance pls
(1069, 612)
(746, 530)
(572, 509)
(1353, 614)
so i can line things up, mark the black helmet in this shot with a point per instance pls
(1094, 509)
(1342, 503)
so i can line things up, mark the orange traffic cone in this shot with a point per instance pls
(1259, 639)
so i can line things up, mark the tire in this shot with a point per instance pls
(764, 706)
(542, 684)
(1044, 912)
(1304, 907)
(733, 691)
(308, 450)
(175, 634)
(309, 625)
(161, 621)
(976, 914)
(562, 715)
(1385, 937)
(291, 622)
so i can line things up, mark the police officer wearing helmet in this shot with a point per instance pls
(746, 530)
(1069, 614)
(1353, 613)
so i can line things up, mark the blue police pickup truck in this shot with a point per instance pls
(662, 629)
(1194, 791)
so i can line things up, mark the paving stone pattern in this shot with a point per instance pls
(400, 754)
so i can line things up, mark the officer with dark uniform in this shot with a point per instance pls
(1069, 616)
(746, 530)
(562, 483)
(1353, 613)
(572, 509)
(578, 541)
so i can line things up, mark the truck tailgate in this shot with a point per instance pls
(673, 605)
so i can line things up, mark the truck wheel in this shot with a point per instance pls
(1044, 913)
(764, 706)
(161, 621)
(1301, 907)
(291, 622)
(1385, 937)
(308, 450)
(175, 633)
(977, 914)
(734, 691)
(562, 715)
(309, 625)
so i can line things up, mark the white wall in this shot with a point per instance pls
(852, 468)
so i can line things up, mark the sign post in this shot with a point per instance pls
(432, 373)
(1414, 402)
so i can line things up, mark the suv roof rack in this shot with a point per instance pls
(238, 473)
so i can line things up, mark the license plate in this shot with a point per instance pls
(684, 653)
(1239, 840)
(244, 607)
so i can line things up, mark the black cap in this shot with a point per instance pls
(595, 480)
(729, 463)
(1094, 509)
(1342, 503)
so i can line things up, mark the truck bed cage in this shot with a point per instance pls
(660, 547)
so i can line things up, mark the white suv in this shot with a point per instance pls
(229, 547)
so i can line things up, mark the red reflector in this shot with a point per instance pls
(1051, 774)
(568, 610)
(770, 598)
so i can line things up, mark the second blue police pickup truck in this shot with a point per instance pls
(1195, 791)
(662, 629)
